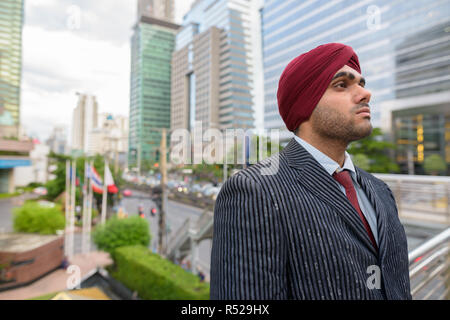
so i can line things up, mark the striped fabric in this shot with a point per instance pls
(294, 235)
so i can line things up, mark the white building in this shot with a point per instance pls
(85, 118)
(110, 138)
(57, 142)
(38, 171)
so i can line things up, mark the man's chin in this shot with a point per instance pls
(365, 131)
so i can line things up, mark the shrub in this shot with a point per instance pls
(155, 278)
(122, 232)
(434, 164)
(35, 218)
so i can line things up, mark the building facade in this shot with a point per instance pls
(403, 48)
(11, 23)
(212, 67)
(152, 45)
(159, 9)
(110, 138)
(57, 141)
(84, 119)
(38, 170)
(15, 153)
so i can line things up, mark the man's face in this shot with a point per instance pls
(343, 111)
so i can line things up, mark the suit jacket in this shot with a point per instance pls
(293, 234)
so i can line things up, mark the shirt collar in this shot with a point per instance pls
(327, 163)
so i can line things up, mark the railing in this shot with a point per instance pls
(182, 231)
(429, 268)
(205, 219)
(425, 198)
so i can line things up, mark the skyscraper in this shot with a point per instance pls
(11, 22)
(159, 9)
(152, 44)
(212, 67)
(84, 119)
(401, 71)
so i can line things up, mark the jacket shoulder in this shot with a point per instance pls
(263, 170)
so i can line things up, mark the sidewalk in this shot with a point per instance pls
(56, 281)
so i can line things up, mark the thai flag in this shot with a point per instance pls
(96, 181)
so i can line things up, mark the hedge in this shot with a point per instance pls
(34, 218)
(155, 278)
(122, 232)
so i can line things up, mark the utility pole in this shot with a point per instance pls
(162, 215)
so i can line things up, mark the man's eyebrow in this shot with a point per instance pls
(349, 75)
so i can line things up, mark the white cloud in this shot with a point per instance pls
(94, 58)
(57, 64)
(181, 8)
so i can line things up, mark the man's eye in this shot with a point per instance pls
(341, 85)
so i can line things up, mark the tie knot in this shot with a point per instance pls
(344, 179)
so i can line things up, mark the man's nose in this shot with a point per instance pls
(364, 95)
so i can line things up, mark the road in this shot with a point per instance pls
(177, 213)
(417, 233)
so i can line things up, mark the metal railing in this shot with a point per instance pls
(425, 198)
(181, 232)
(429, 268)
(204, 221)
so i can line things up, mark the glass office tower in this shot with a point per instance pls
(152, 45)
(11, 21)
(404, 52)
(212, 67)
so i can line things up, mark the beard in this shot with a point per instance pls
(332, 124)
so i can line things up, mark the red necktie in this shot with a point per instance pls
(345, 180)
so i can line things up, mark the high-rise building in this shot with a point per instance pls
(11, 22)
(152, 45)
(84, 119)
(159, 9)
(14, 153)
(57, 141)
(403, 48)
(212, 67)
(110, 138)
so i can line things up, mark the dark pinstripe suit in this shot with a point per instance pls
(295, 235)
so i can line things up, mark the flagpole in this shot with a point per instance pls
(72, 210)
(85, 205)
(67, 213)
(105, 194)
(89, 216)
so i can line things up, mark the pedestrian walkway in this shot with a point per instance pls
(57, 280)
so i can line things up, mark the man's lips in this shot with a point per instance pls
(364, 111)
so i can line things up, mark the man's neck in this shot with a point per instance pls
(333, 148)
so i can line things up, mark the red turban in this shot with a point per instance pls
(305, 79)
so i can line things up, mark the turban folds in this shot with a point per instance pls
(306, 78)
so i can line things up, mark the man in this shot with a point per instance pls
(318, 227)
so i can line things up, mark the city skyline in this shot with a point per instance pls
(69, 49)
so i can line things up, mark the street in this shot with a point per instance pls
(176, 216)
(417, 232)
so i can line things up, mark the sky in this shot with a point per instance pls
(71, 46)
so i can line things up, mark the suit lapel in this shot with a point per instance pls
(380, 209)
(321, 184)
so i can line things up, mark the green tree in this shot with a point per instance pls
(377, 151)
(56, 186)
(434, 165)
(361, 161)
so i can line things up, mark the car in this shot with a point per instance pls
(42, 191)
(127, 193)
